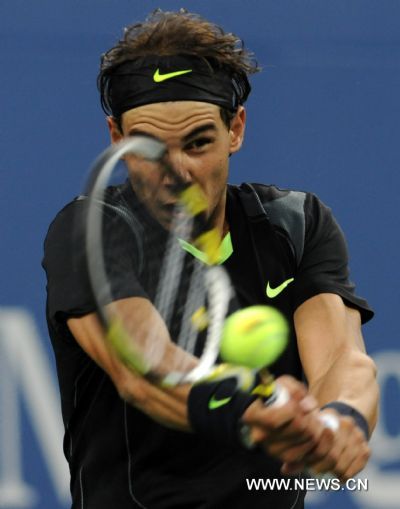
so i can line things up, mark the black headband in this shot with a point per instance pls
(153, 79)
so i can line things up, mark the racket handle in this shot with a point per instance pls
(279, 397)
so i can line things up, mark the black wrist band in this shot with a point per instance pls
(215, 409)
(348, 410)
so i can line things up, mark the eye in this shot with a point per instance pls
(199, 143)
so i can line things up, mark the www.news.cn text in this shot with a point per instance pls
(305, 483)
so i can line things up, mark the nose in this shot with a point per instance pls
(177, 166)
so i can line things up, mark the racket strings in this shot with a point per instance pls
(177, 279)
(191, 304)
(194, 316)
(171, 268)
(192, 297)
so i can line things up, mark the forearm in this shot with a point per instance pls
(165, 405)
(147, 334)
(351, 379)
(333, 355)
(168, 406)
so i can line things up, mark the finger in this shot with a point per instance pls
(297, 392)
(320, 451)
(293, 468)
(312, 451)
(301, 428)
(357, 465)
(354, 456)
(295, 454)
(338, 449)
(347, 456)
(296, 389)
(257, 434)
(281, 448)
(270, 417)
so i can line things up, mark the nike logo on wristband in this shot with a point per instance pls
(274, 292)
(216, 403)
(158, 78)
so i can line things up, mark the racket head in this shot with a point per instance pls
(116, 221)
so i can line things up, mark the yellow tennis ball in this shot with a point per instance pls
(254, 337)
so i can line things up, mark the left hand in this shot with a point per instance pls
(344, 456)
(289, 430)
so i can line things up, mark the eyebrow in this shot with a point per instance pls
(199, 130)
(195, 132)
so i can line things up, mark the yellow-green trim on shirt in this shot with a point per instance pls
(226, 249)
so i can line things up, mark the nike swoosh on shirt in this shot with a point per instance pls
(216, 403)
(158, 78)
(274, 292)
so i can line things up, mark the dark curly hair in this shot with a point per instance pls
(185, 33)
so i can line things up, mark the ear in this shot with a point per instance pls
(236, 130)
(115, 132)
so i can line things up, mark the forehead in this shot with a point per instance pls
(174, 119)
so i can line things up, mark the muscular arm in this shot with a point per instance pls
(333, 355)
(337, 369)
(166, 405)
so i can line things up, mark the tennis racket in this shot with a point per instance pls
(124, 241)
(128, 237)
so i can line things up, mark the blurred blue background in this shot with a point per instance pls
(323, 116)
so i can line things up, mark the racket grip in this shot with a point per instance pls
(279, 397)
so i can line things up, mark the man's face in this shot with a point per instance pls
(198, 148)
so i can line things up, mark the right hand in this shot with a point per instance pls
(288, 431)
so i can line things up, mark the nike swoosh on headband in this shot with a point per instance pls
(274, 292)
(158, 78)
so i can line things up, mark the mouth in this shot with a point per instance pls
(169, 211)
(174, 217)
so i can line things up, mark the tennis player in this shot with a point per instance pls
(133, 444)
